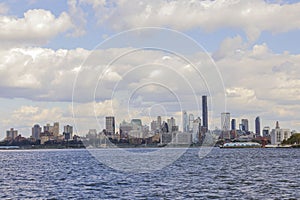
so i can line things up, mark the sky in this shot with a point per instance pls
(77, 61)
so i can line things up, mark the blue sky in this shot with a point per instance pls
(254, 44)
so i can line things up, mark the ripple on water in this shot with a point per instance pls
(223, 174)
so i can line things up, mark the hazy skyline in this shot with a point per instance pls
(44, 45)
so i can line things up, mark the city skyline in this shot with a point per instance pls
(45, 46)
(111, 126)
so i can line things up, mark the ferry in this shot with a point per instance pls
(9, 147)
(241, 145)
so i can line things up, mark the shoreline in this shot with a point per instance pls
(40, 147)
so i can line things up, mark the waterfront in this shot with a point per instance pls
(222, 174)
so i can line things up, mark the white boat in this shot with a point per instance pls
(241, 145)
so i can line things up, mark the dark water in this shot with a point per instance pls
(222, 174)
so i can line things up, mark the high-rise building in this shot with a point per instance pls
(159, 122)
(36, 131)
(110, 125)
(55, 129)
(233, 124)
(165, 127)
(204, 112)
(48, 128)
(266, 131)
(125, 129)
(225, 121)
(11, 134)
(153, 125)
(184, 121)
(171, 124)
(196, 130)
(257, 126)
(68, 132)
(191, 121)
(245, 125)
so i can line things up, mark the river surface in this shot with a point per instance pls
(221, 174)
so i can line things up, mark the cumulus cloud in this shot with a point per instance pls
(230, 47)
(260, 82)
(78, 18)
(134, 83)
(251, 16)
(39, 73)
(36, 27)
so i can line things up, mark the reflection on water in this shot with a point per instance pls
(222, 174)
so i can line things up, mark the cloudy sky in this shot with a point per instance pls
(78, 61)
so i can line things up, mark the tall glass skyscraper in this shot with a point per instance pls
(257, 126)
(204, 112)
(233, 124)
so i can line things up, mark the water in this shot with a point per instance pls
(222, 174)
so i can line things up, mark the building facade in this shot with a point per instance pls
(110, 125)
(225, 121)
(278, 135)
(68, 132)
(191, 121)
(257, 126)
(204, 112)
(171, 124)
(233, 124)
(36, 131)
(245, 125)
(11, 134)
(196, 130)
(184, 121)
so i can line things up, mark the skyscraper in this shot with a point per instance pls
(184, 121)
(257, 126)
(245, 124)
(196, 130)
(56, 129)
(11, 134)
(158, 122)
(225, 121)
(266, 131)
(153, 125)
(191, 121)
(110, 125)
(233, 124)
(68, 132)
(204, 112)
(171, 123)
(36, 131)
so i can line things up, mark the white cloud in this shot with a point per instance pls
(257, 81)
(78, 18)
(251, 16)
(230, 47)
(36, 27)
(260, 82)
(3, 8)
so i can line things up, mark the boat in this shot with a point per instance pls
(241, 145)
(9, 147)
